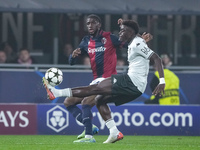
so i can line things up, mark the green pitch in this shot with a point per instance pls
(61, 142)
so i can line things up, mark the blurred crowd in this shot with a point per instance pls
(23, 56)
(9, 55)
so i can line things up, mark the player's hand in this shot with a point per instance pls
(76, 52)
(147, 37)
(159, 90)
(120, 21)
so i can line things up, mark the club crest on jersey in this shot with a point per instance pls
(103, 40)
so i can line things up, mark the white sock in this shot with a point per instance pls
(112, 127)
(88, 136)
(62, 92)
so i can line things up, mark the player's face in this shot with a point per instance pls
(93, 26)
(125, 34)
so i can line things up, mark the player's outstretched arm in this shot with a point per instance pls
(76, 52)
(159, 67)
(72, 57)
(120, 21)
(159, 89)
(147, 37)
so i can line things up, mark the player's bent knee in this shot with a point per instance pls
(72, 101)
(88, 101)
(98, 100)
(67, 102)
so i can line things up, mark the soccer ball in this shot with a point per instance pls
(54, 76)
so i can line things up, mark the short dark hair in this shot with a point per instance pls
(132, 24)
(97, 18)
(24, 48)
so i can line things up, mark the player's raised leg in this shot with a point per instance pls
(53, 93)
(103, 88)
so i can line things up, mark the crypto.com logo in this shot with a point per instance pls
(57, 118)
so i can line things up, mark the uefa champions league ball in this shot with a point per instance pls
(54, 76)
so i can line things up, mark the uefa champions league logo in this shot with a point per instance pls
(57, 118)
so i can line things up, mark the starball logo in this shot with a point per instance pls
(57, 118)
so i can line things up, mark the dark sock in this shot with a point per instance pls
(87, 119)
(76, 112)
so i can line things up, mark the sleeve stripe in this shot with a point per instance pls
(150, 55)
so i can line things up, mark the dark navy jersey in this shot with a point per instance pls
(102, 53)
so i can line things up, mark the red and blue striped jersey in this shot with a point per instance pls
(102, 53)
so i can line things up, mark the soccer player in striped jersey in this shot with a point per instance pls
(101, 49)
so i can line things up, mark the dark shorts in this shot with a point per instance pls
(123, 89)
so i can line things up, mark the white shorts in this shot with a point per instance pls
(96, 81)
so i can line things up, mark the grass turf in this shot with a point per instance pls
(62, 142)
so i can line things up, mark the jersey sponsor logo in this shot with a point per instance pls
(145, 50)
(103, 40)
(98, 49)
